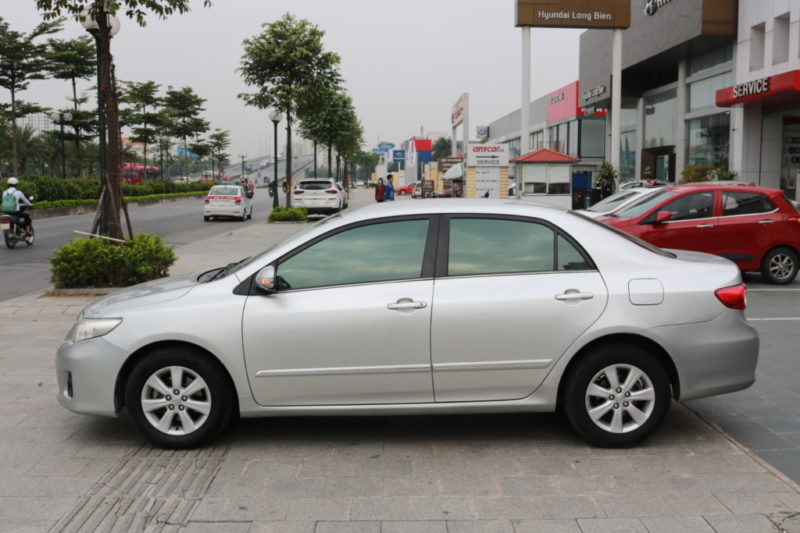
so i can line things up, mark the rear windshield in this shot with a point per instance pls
(612, 202)
(223, 190)
(314, 185)
(644, 205)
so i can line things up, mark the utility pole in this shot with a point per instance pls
(242, 156)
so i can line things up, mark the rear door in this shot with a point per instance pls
(747, 227)
(511, 295)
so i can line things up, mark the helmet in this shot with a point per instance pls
(13, 181)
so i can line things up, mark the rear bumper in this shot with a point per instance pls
(712, 357)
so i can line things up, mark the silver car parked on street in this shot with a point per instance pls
(506, 306)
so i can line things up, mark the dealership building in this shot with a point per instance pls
(714, 82)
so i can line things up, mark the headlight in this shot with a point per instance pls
(87, 328)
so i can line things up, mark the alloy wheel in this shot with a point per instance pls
(176, 400)
(620, 398)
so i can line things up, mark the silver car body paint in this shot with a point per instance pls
(513, 362)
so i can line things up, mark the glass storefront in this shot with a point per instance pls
(627, 156)
(790, 155)
(545, 179)
(708, 141)
(702, 93)
(593, 134)
(659, 119)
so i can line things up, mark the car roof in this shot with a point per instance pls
(734, 186)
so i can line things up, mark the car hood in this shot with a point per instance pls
(143, 294)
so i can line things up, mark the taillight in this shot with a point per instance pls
(207, 200)
(238, 200)
(331, 191)
(733, 297)
(298, 191)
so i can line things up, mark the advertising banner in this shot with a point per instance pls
(487, 155)
(487, 182)
(398, 156)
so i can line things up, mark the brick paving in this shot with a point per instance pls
(517, 473)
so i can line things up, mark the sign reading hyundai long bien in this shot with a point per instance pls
(574, 13)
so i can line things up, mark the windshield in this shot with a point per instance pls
(644, 205)
(224, 190)
(612, 202)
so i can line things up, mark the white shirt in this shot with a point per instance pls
(18, 195)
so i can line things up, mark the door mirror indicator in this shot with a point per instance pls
(265, 279)
(663, 216)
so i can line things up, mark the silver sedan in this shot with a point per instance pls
(505, 306)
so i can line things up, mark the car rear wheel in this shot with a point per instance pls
(206, 218)
(780, 265)
(617, 395)
(178, 397)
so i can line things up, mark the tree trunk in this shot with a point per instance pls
(108, 90)
(75, 128)
(288, 159)
(338, 166)
(330, 161)
(14, 167)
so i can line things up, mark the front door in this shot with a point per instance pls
(350, 322)
(511, 296)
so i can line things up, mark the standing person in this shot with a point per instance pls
(388, 192)
(12, 197)
(605, 187)
(379, 190)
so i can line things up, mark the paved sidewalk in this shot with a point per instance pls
(519, 473)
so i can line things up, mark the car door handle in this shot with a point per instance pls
(406, 304)
(766, 221)
(705, 226)
(571, 295)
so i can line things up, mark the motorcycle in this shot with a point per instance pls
(14, 230)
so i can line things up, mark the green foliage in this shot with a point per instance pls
(607, 170)
(442, 147)
(288, 214)
(134, 9)
(104, 263)
(696, 173)
(46, 189)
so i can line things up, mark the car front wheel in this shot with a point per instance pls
(617, 395)
(178, 398)
(779, 266)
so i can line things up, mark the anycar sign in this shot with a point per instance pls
(487, 155)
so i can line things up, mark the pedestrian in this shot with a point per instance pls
(379, 190)
(388, 191)
(649, 180)
(605, 187)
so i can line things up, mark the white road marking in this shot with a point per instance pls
(776, 319)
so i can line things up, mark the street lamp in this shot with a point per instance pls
(60, 118)
(275, 116)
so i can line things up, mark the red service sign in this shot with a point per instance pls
(563, 103)
(773, 90)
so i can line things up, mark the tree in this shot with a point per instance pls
(23, 60)
(365, 163)
(182, 108)
(220, 141)
(142, 116)
(441, 148)
(108, 215)
(285, 63)
(72, 60)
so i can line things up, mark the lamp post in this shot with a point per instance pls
(275, 116)
(92, 26)
(60, 118)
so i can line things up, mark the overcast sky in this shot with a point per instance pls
(404, 63)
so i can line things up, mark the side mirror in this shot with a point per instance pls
(265, 279)
(663, 216)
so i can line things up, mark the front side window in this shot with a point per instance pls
(698, 205)
(745, 203)
(494, 246)
(379, 252)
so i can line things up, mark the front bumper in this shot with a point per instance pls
(87, 374)
(712, 357)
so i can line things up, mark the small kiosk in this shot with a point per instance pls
(545, 171)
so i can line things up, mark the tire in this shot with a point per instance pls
(779, 266)
(10, 242)
(601, 382)
(30, 238)
(194, 418)
(403, 193)
(206, 218)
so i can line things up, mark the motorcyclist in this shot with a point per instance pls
(19, 197)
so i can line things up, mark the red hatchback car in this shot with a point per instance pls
(755, 227)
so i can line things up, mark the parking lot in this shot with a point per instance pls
(517, 473)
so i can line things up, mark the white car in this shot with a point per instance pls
(227, 201)
(615, 202)
(319, 196)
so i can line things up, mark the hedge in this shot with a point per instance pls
(129, 199)
(284, 214)
(85, 263)
(47, 189)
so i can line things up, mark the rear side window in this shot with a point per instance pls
(745, 203)
(495, 246)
